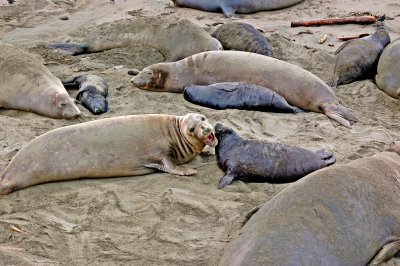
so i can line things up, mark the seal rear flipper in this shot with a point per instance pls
(71, 84)
(387, 252)
(333, 82)
(339, 113)
(70, 48)
(226, 180)
(229, 12)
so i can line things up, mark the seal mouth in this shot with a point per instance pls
(210, 140)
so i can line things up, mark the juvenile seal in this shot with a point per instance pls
(243, 96)
(27, 85)
(175, 39)
(346, 214)
(254, 160)
(298, 86)
(388, 77)
(118, 146)
(241, 36)
(93, 91)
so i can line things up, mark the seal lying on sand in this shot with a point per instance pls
(254, 160)
(27, 85)
(388, 77)
(342, 215)
(239, 6)
(175, 39)
(117, 146)
(298, 86)
(244, 96)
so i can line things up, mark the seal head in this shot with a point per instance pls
(196, 127)
(64, 106)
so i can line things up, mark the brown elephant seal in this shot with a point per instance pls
(388, 77)
(118, 146)
(27, 85)
(254, 160)
(241, 36)
(298, 86)
(174, 38)
(229, 8)
(346, 214)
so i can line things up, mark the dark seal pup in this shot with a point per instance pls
(346, 214)
(243, 37)
(243, 96)
(254, 160)
(92, 94)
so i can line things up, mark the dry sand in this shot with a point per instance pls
(162, 219)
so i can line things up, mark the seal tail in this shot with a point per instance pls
(70, 48)
(339, 113)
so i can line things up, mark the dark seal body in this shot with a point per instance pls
(243, 37)
(254, 160)
(243, 96)
(346, 214)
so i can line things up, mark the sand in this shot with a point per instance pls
(162, 219)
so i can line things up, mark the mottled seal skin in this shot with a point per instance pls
(118, 146)
(92, 94)
(26, 84)
(388, 77)
(357, 59)
(175, 39)
(346, 214)
(298, 86)
(230, 7)
(243, 37)
(253, 160)
(243, 96)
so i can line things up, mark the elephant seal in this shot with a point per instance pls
(27, 85)
(229, 8)
(388, 77)
(357, 59)
(243, 37)
(298, 86)
(346, 214)
(92, 94)
(243, 96)
(175, 39)
(254, 160)
(118, 146)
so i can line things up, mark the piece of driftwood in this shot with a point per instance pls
(346, 38)
(333, 21)
(323, 39)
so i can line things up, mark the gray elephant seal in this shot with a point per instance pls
(229, 8)
(298, 86)
(243, 37)
(341, 215)
(27, 85)
(388, 77)
(174, 38)
(118, 146)
(253, 160)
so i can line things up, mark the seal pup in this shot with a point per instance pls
(118, 146)
(92, 94)
(388, 77)
(234, 95)
(254, 160)
(26, 84)
(298, 86)
(241, 36)
(345, 214)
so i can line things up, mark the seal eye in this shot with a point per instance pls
(191, 130)
(63, 105)
(203, 119)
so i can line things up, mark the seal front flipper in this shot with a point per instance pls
(344, 45)
(229, 12)
(226, 180)
(70, 48)
(71, 84)
(168, 165)
(386, 253)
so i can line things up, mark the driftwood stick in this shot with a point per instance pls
(346, 38)
(332, 21)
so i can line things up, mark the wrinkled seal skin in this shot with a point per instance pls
(230, 7)
(243, 37)
(253, 160)
(388, 77)
(118, 146)
(243, 96)
(346, 214)
(27, 85)
(298, 86)
(175, 39)
(92, 94)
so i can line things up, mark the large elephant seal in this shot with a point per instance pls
(298, 86)
(344, 214)
(27, 85)
(117, 146)
(254, 160)
(174, 38)
(388, 77)
(229, 8)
